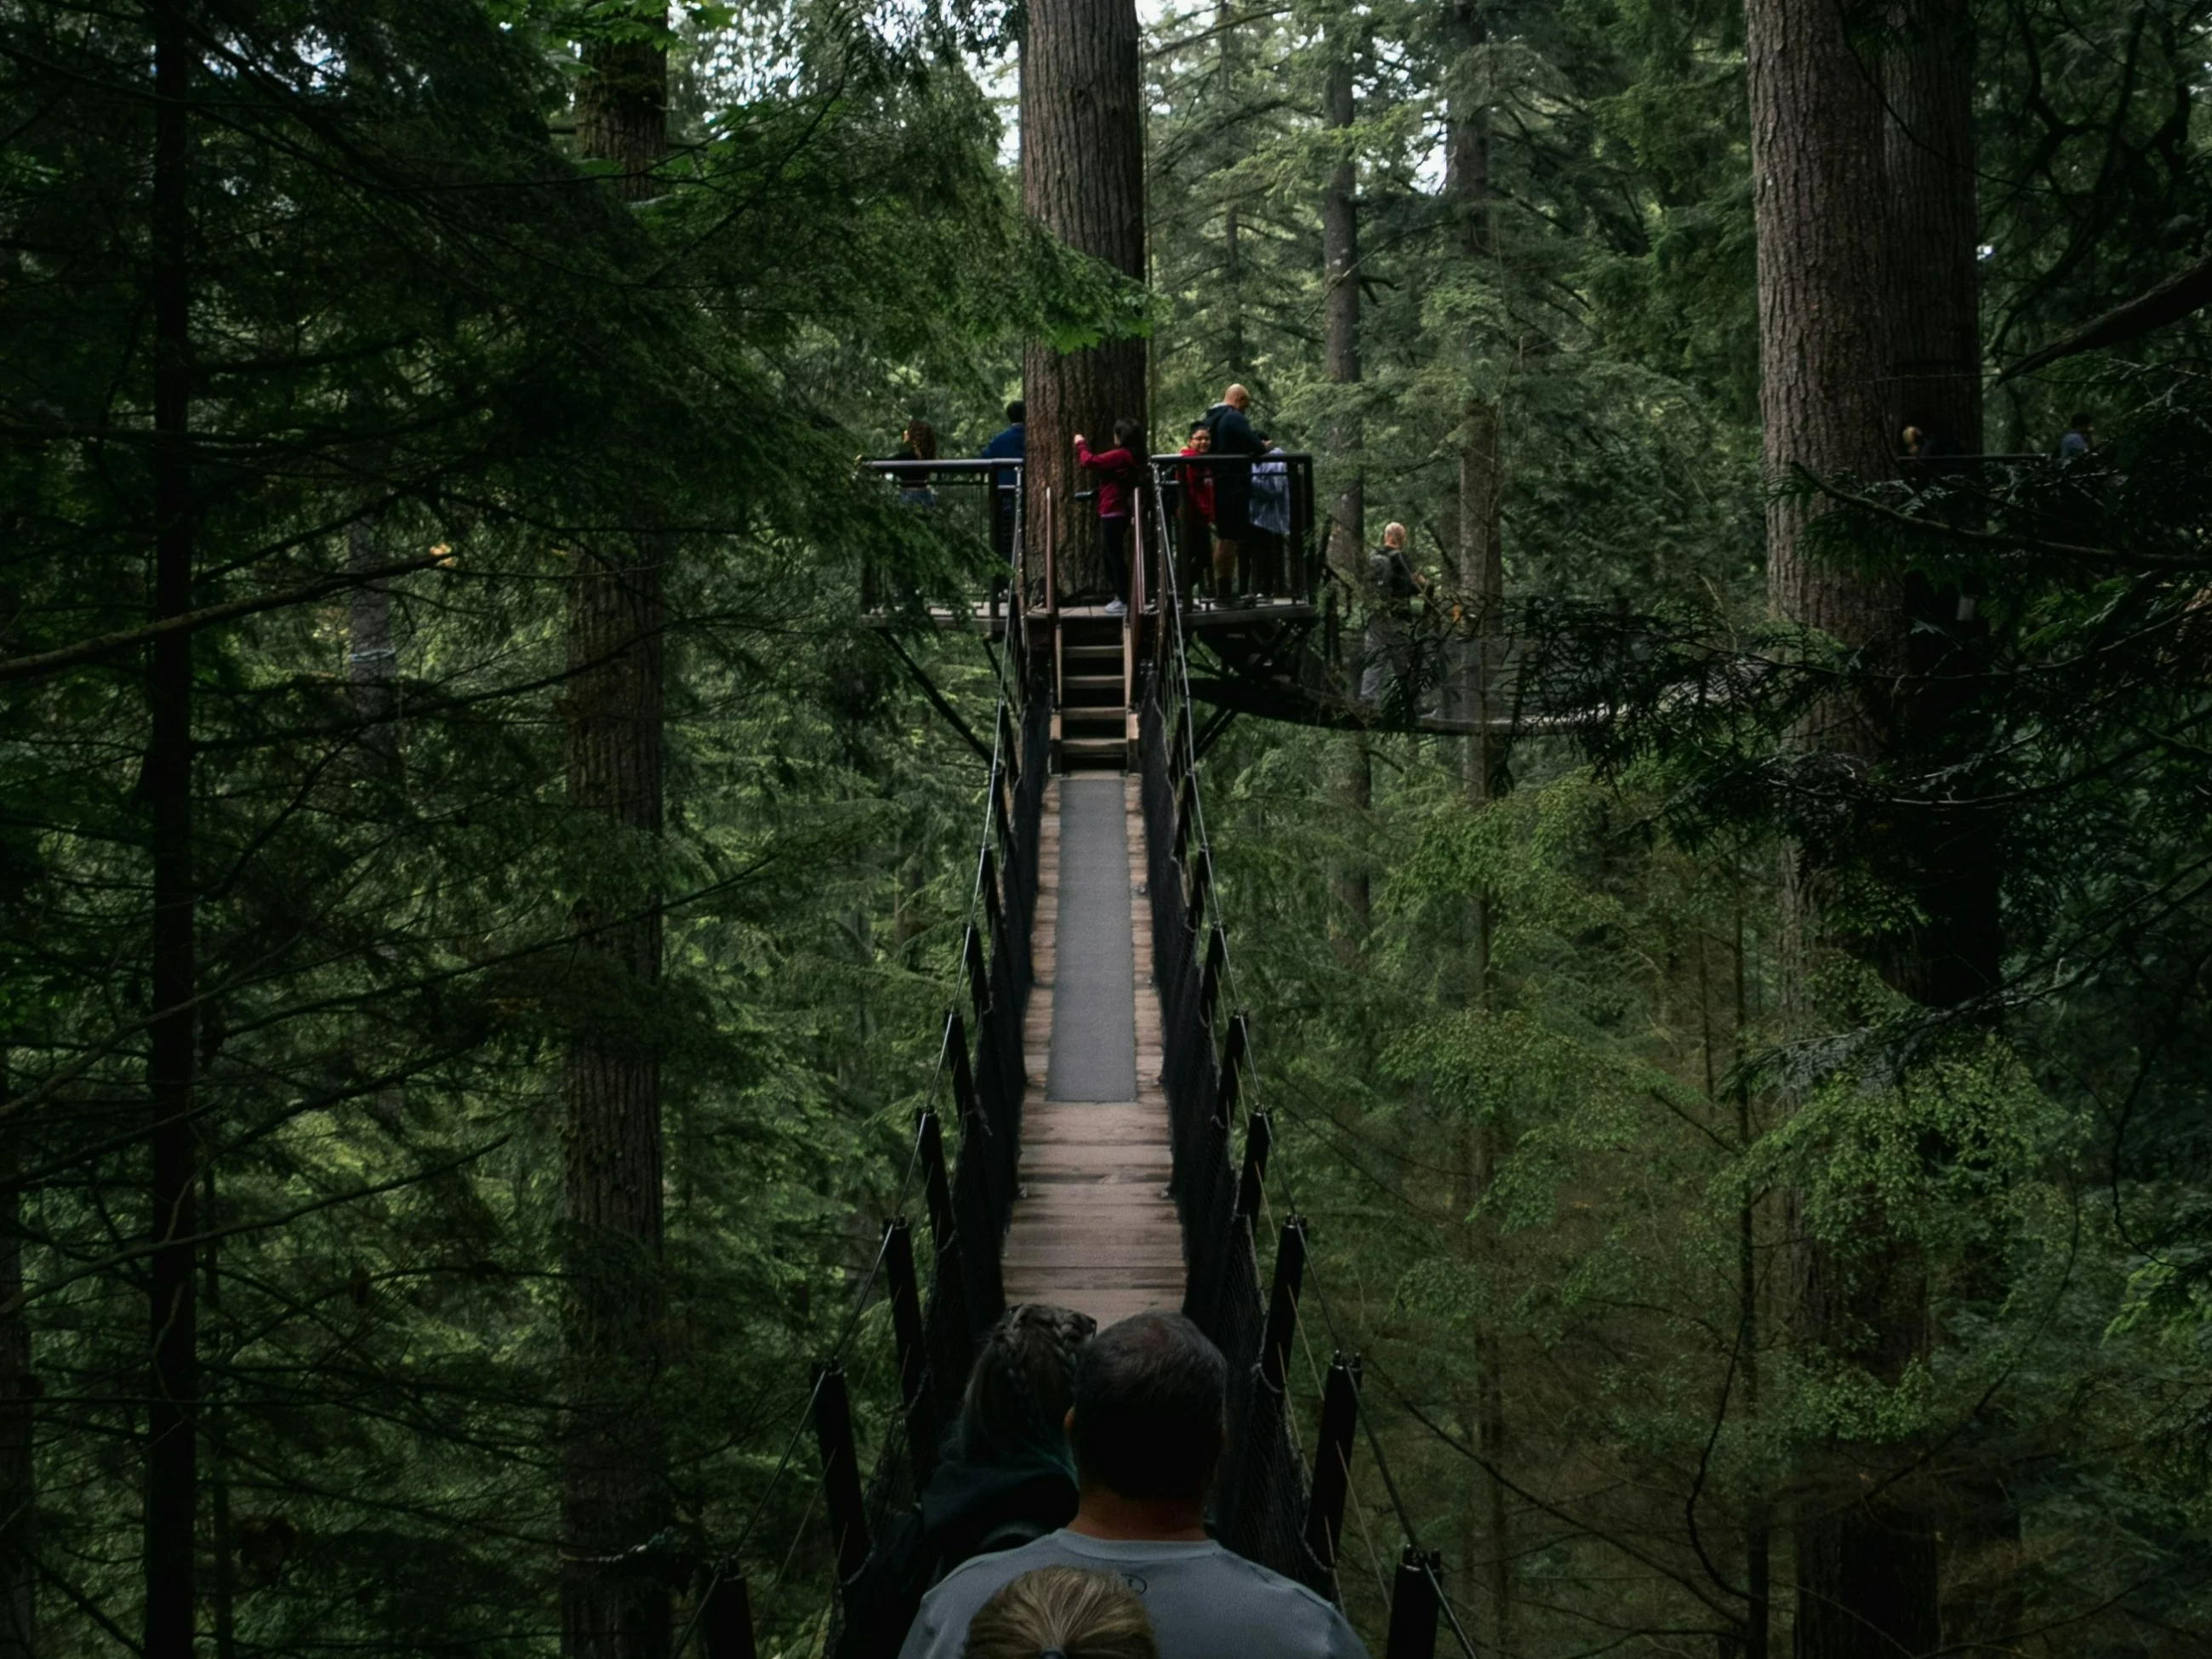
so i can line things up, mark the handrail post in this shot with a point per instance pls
(1259, 1142)
(1332, 1462)
(1051, 564)
(936, 1183)
(1283, 1304)
(841, 1470)
(908, 1338)
(725, 1623)
(1414, 1606)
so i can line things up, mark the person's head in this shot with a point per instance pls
(1127, 432)
(1394, 534)
(2080, 423)
(1063, 1610)
(1237, 397)
(1017, 413)
(1021, 1387)
(922, 438)
(1915, 441)
(1201, 438)
(1147, 1418)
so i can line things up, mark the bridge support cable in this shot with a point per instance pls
(1275, 1509)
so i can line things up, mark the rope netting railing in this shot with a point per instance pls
(964, 1170)
(1277, 1505)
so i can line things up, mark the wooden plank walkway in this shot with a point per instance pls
(1094, 1228)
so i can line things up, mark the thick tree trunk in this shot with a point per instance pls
(18, 1483)
(1928, 94)
(171, 1418)
(1340, 249)
(1083, 177)
(614, 1475)
(1354, 889)
(622, 108)
(1935, 317)
(1865, 1578)
(615, 1486)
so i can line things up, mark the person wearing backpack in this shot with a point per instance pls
(1004, 1479)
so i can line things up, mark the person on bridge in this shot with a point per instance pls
(1196, 483)
(918, 443)
(1147, 1427)
(1076, 1614)
(1393, 584)
(1004, 1478)
(1119, 473)
(1011, 444)
(1232, 483)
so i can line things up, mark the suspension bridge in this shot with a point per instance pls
(1096, 1137)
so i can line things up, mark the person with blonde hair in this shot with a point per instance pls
(1061, 1613)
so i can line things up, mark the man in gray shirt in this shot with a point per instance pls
(1146, 1431)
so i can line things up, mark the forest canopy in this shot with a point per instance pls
(489, 827)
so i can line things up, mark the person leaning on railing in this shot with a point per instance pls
(1147, 1429)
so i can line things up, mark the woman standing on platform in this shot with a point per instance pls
(1119, 474)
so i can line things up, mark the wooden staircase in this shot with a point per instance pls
(1094, 726)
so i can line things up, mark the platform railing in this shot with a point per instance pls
(977, 505)
(1281, 560)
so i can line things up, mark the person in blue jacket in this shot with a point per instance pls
(1010, 445)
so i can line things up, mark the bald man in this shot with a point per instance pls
(1232, 483)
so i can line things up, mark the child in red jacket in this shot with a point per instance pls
(1119, 473)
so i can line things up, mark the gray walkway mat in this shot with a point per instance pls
(1094, 1002)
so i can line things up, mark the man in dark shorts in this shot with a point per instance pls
(1232, 483)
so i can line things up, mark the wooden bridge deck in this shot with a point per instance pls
(1094, 1228)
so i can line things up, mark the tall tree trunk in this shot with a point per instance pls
(372, 660)
(1339, 250)
(1234, 351)
(622, 105)
(1353, 885)
(171, 1418)
(615, 1483)
(1478, 586)
(225, 1559)
(1934, 319)
(1866, 1575)
(1927, 95)
(614, 1475)
(19, 1475)
(1083, 178)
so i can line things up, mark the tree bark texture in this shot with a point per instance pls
(1473, 639)
(614, 1475)
(1935, 310)
(1083, 178)
(172, 1425)
(1340, 248)
(1865, 1566)
(18, 1483)
(372, 660)
(622, 107)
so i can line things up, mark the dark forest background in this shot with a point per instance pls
(478, 907)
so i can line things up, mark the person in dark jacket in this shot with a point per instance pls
(1010, 445)
(1232, 483)
(1118, 472)
(1005, 1476)
(1393, 584)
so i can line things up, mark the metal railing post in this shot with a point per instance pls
(1259, 1142)
(909, 1338)
(841, 1470)
(1331, 1461)
(1414, 1606)
(725, 1623)
(1283, 1304)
